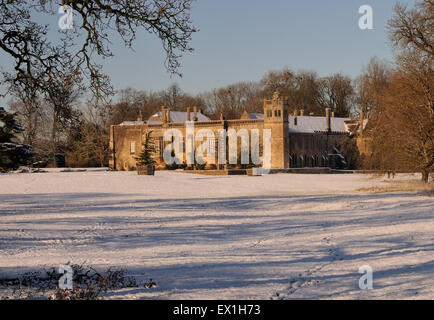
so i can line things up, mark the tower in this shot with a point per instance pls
(276, 119)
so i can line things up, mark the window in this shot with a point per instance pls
(293, 160)
(269, 113)
(132, 147)
(160, 147)
(277, 113)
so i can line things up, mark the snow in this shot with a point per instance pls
(256, 115)
(181, 116)
(311, 124)
(290, 236)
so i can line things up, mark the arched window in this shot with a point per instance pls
(132, 147)
(325, 161)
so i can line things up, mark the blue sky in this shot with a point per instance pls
(240, 40)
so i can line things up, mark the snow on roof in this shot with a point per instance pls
(353, 125)
(256, 115)
(132, 123)
(310, 124)
(175, 116)
(181, 116)
(305, 124)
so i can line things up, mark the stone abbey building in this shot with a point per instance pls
(297, 140)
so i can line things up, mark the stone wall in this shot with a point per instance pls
(126, 140)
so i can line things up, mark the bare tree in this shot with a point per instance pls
(402, 132)
(232, 100)
(282, 81)
(27, 105)
(413, 28)
(370, 85)
(403, 124)
(131, 103)
(302, 89)
(26, 40)
(337, 93)
(172, 97)
(35, 59)
(90, 146)
(62, 93)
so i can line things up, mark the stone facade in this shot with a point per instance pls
(296, 141)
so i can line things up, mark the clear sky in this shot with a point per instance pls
(240, 40)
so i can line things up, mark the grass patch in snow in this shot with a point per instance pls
(402, 186)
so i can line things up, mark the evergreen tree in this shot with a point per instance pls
(148, 148)
(12, 154)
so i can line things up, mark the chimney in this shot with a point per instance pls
(163, 115)
(328, 128)
(188, 113)
(333, 114)
(140, 117)
(362, 115)
(168, 115)
(302, 112)
(221, 116)
(295, 117)
(194, 113)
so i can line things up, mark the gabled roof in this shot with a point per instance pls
(353, 125)
(256, 115)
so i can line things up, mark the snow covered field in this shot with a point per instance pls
(222, 237)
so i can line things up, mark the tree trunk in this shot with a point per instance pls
(29, 133)
(425, 176)
(53, 139)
